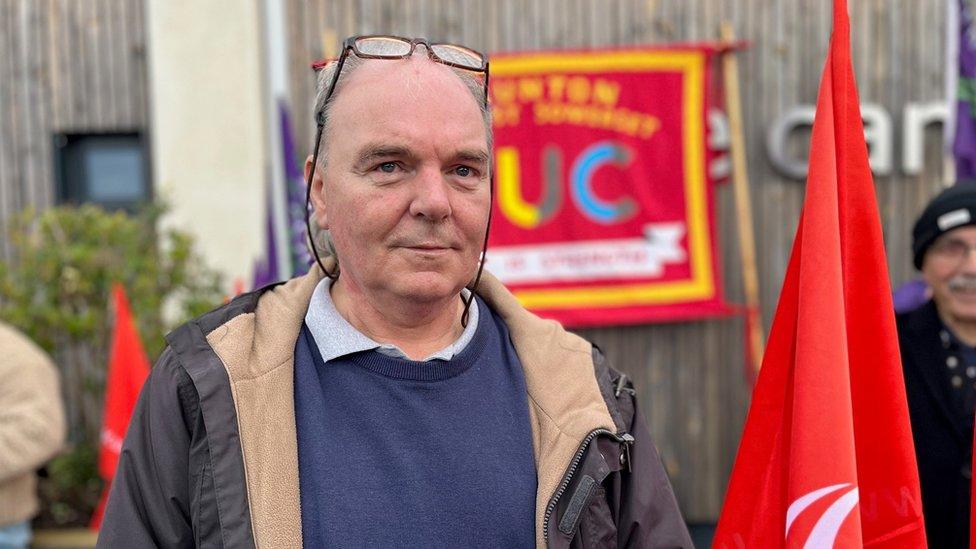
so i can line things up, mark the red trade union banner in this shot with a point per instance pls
(603, 211)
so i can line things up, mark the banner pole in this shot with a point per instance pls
(743, 206)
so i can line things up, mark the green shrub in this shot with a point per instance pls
(55, 286)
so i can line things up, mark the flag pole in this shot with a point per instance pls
(743, 205)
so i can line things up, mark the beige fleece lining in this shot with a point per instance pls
(257, 351)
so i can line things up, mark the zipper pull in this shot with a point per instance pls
(626, 440)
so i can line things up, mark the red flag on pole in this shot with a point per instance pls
(128, 368)
(827, 458)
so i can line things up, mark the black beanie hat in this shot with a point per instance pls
(953, 207)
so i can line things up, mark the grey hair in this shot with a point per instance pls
(320, 237)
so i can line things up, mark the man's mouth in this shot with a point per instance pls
(424, 244)
(428, 248)
(966, 291)
(963, 289)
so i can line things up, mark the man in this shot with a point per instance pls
(385, 405)
(32, 430)
(938, 349)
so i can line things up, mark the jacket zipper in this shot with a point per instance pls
(573, 465)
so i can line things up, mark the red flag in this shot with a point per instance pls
(128, 368)
(827, 458)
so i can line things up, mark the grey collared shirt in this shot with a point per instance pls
(335, 336)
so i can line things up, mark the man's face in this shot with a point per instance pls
(950, 270)
(406, 185)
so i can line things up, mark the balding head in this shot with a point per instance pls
(405, 188)
(471, 81)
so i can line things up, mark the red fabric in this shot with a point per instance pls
(827, 456)
(604, 210)
(128, 367)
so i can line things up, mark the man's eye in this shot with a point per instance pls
(464, 171)
(387, 167)
(951, 248)
(955, 248)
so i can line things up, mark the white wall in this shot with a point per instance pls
(207, 126)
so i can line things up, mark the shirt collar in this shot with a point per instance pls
(335, 337)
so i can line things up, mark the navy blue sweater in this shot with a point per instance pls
(398, 453)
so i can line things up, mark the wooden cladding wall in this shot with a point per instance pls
(65, 66)
(690, 375)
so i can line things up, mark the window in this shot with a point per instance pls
(104, 169)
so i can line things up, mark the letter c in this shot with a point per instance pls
(589, 161)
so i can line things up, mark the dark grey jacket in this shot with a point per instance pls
(943, 440)
(210, 459)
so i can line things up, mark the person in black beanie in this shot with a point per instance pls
(938, 351)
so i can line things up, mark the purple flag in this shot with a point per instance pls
(964, 139)
(911, 295)
(301, 258)
(266, 269)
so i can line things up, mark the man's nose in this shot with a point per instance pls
(431, 198)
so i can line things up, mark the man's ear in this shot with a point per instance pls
(318, 194)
